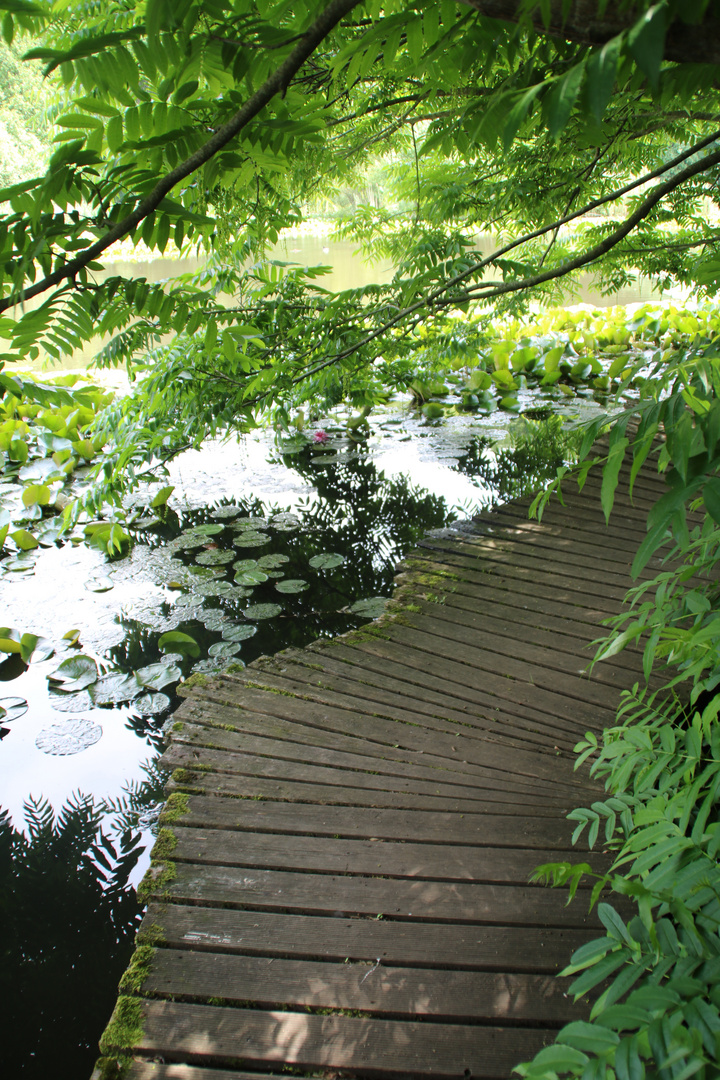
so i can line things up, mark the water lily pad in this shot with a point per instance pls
(214, 557)
(155, 676)
(372, 608)
(250, 539)
(176, 641)
(99, 584)
(172, 658)
(250, 577)
(224, 648)
(251, 522)
(272, 562)
(326, 561)
(21, 564)
(224, 512)
(285, 522)
(212, 588)
(205, 572)
(68, 737)
(292, 585)
(213, 666)
(215, 620)
(75, 673)
(34, 649)
(115, 688)
(187, 542)
(207, 530)
(11, 708)
(236, 592)
(78, 702)
(151, 704)
(145, 523)
(262, 611)
(239, 633)
(246, 564)
(189, 600)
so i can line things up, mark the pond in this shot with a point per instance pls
(261, 547)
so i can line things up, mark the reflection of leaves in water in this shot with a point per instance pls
(67, 921)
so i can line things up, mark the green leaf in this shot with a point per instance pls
(562, 99)
(75, 673)
(590, 1038)
(601, 73)
(162, 496)
(36, 493)
(176, 641)
(24, 540)
(611, 472)
(646, 42)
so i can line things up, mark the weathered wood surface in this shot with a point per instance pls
(341, 884)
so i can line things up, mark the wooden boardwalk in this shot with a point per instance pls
(341, 887)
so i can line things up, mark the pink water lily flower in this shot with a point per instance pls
(320, 437)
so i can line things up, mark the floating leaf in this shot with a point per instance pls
(99, 584)
(155, 676)
(36, 493)
(176, 641)
(292, 585)
(246, 564)
(326, 561)
(34, 649)
(186, 542)
(115, 688)
(252, 523)
(250, 577)
(224, 512)
(215, 557)
(372, 608)
(250, 539)
(262, 611)
(224, 648)
(11, 708)
(285, 522)
(9, 640)
(171, 658)
(68, 737)
(75, 673)
(162, 496)
(239, 633)
(271, 562)
(72, 636)
(24, 540)
(151, 704)
(215, 619)
(78, 702)
(208, 529)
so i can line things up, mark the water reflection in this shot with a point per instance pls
(69, 915)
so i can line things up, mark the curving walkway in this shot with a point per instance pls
(340, 885)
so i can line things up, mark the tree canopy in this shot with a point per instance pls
(212, 125)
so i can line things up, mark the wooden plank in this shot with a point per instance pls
(282, 678)
(422, 826)
(406, 943)
(297, 792)
(381, 990)
(199, 738)
(352, 894)
(326, 854)
(161, 1070)
(380, 1048)
(308, 781)
(506, 689)
(462, 752)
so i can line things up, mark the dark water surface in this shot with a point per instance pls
(332, 521)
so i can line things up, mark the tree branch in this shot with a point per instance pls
(503, 288)
(685, 44)
(274, 84)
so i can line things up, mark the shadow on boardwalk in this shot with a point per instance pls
(340, 884)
